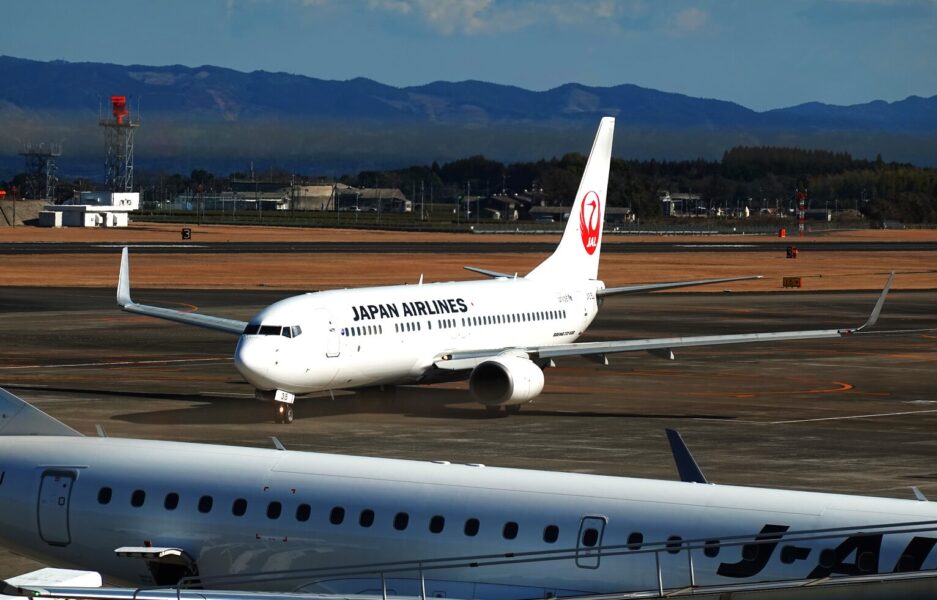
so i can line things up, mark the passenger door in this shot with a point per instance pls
(333, 340)
(55, 492)
(591, 530)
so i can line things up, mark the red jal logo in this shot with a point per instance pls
(589, 226)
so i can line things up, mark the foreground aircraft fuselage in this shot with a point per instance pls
(72, 501)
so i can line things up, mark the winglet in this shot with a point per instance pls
(877, 310)
(686, 465)
(123, 279)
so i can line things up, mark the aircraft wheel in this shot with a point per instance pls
(495, 411)
(388, 395)
(284, 413)
(512, 409)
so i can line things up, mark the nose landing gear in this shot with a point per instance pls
(282, 403)
(284, 413)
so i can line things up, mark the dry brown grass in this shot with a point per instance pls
(170, 233)
(306, 271)
(820, 270)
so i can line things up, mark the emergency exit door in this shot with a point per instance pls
(55, 490)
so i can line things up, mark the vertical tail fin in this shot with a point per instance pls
(18, 417)
(577, 256)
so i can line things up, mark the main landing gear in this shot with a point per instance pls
(499, 410)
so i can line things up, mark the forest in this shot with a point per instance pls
(753, 177)
(756, 177)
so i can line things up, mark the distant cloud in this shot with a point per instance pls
(448, 16)
(399, 6)
(690, 20)
(475, 17)
(839, 12)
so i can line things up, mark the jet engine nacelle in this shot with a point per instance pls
(506, 380)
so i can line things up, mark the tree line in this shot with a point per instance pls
(753, 177)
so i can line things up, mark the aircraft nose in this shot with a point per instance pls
(252, 362)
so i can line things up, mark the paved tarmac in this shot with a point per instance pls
(855, 415)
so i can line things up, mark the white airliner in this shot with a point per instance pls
(150, 512)
(498, 333)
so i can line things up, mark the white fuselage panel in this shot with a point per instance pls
(304, 510)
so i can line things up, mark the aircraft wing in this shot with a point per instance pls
(468, 360)
(207, 321)
(653, 287)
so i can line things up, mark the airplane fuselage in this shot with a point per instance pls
(72, 501)
(351, 338)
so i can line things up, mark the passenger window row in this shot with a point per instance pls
(401, 521)
(360, 330)
(289, 331)
(408, 327)
(366, 517)
(413, 326)
(541, 315)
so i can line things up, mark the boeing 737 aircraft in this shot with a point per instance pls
(150, 512)
(499, 333)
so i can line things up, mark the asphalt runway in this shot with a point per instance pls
(611, 245)
(855, 415)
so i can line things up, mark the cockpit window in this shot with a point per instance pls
(289, 331)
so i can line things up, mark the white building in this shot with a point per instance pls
(92, 209)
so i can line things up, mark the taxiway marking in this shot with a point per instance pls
(869, 416)
(116, 363)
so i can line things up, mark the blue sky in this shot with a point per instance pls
(760, 53)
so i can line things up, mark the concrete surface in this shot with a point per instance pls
(854, 416)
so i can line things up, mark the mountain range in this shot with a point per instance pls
(224, 117)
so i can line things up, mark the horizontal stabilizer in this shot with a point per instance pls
(654, 287)
(18, 417)
(686, 465)
(487, 273)
(207, 321)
